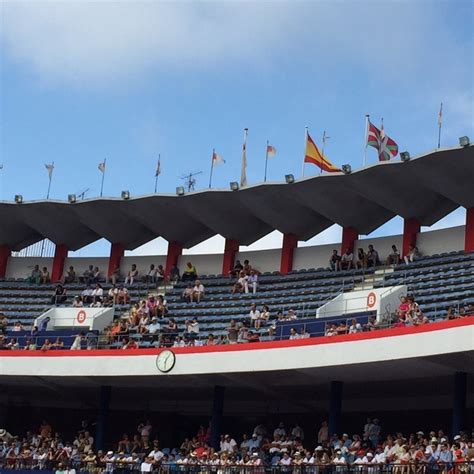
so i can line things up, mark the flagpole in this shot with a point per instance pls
(212, 167)
(322, 149)
(156, 172)
(305, 144)
(266, 162)
(50, 178)
(366, 137)
(243, 172)
(440, 120)
(103, 176)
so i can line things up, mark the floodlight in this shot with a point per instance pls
(18, 198)
(464, 141)
(234, 186)
(180, 191)
(346, 169)
(125, 195)
(289, 178)
(71, 198)
(405, 156)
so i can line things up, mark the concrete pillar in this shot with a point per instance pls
(349, 236)
(290, 242)
(217, 415)
(60, 255)
(230, 251)
(411, 229)
(117, 251)
(469, 231)
(459, 403)
(103, 415)
(5, 252)
(335, 407)
(175, 249)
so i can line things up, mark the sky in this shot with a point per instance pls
(125, 81)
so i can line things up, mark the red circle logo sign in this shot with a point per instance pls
(81, 316)
(371, 299)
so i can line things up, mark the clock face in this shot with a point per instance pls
(165, 361)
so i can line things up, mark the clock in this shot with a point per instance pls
(165, 361)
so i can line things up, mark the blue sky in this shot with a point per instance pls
(84, 81)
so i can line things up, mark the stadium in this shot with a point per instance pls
(339, 344)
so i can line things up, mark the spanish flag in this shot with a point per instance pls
(314, 156)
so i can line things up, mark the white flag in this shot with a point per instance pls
(50, 169)
(102, 167)
(243, 172)
(217, 159)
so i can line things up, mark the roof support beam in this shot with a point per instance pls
(349, 236)
(60, 255)
(5, 252)
(117, 251)
(411, 229)
(230, 250)
(469, 231)
(290, 242)
(175, 249)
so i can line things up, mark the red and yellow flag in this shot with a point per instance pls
(314, 156)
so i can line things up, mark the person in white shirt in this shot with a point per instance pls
(228, 444)
(241, 286)
(192, 327)
(132, 274)
(254, 315)
(286, 459)
(293, 334)
(297, 432)
(355, 327)
(76, 345)
(252, 281)
(280, 431)
(198, 291)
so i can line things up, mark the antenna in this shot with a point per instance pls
(190, 180)
(82, 194)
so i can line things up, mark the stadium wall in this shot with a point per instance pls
(429, 243)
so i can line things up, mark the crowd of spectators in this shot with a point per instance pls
(370, 259)
(283, 447)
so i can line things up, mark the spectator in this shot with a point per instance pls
(174, 274)
(263, 318)
(114, 275)
(86, 295)
(238, 267)
(190, 272)
(3, 324)
(150, 276)
(187, 294)
(77, 302)
(233, 332)
(154, 326)
(76, 345)
(355, 327)
(123, 296)
(241, 286)
(97, 294)
(192, 327)
(372, 324)
(331, 330)
(247, 269)
(161, 306)
(413, 254)
(17, 327)
(335, 261)
(394, 257)
(45, 276)
(69, 276)
(254, 316)
(347, 259)
(198, 291)
(59, 295)
(87, 275)
(95, 275)
(373, 259)
(160, 274)
(361, 259)
(293, 334)
(35, 276)
(252, 281)
(131, 275)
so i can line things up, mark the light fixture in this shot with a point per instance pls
(346, 169)
(234, 186)
(180, 190)
(125, 195)
(405, 156)
(289, 178)
(18, 198)
(71, 198)
(464, 141)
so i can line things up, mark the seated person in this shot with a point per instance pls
(238, 267)
(132, 274)
(86, 295)
(154, 326)
(77, 303)
(394, 257)
(335, 261)
(45, 276)
(35, 276)
(95, 275)
(69, 276)
(188, 293)
(342, 328)
(115, 275)
(373, 259)
(247, 267)
(403, 308)
(372, 324)
(88, 275)
(47, 345)
(331, 330)
(192, 327)
(150, 276)
(59, 295)
(355, 327)
(160, 274)
(190, 272)
(161, 306)
(241, 285)
(97, 294)
(122, 296)
(175, 276)
(198, 291)
(252, 281)
(252, 337)
(413, 254)
(347, 260)
(254, 316)
(361, 258)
